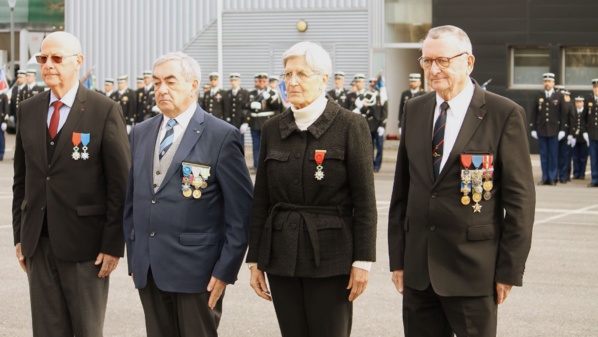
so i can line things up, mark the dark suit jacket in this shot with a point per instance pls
(549, 115)
(405, 96)
(237, 107)
(83, 199)
(431, 235)
(306, 227)
(185, 241)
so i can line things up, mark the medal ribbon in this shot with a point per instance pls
(83, 138)
(76, 138)
(319, 156)
(487, 161)
(466, 160)
(477, 160)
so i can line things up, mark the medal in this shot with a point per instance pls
(197, 194)
(487, 186)
(477, 197)
(187, 191)
(465, 200)
(319, 158)
(477, 208)
(194, 175)
(465, 179)
(476, 182)
(487, 195)
(76, 139)
(85, 138)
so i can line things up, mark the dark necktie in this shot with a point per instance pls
(53, 128)
(438, 138)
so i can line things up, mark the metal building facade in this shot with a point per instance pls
(124, 37)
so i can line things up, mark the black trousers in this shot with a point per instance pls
(427, 314)
(312, 307)
(67, 298)
(178, 314)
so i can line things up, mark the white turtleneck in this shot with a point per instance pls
(307, 116)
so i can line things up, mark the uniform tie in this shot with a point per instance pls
(53, 128)
(438, 138)
(168, 138)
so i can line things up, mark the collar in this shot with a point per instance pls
(30, 85)
(549, 93)
(288, 126)
(121, 92)
(22, 86)
(148, 87)
(304, 117)
(460, 103)
(68, 99)
(182, 119)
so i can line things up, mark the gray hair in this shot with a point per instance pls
(316, 57)
(190, 67)
(457, 32)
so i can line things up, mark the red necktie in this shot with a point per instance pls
(53, 128)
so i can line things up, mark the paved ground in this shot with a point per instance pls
(558, 297)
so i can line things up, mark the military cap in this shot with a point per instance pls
(147, 73)
(579, 98)
(415, 77)
(359, 77)
(261, 75)
(214, 74)
(122, 78)
(234, 75)
(109, 81)
(565, 92)
(272, 78)
(21, 72)
(139, 78)
(207, 86)
(595, 81)
(373, 79)
(548, 76)
(31, 71)
(339, 74)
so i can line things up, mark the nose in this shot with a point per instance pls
(434, 69)
(293, 80)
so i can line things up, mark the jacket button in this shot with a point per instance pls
(434, 195)
(432, 228)
(157, 173)
(297, 155)
(153, 201)
(152, 233)
(43, 208)
(48, 178)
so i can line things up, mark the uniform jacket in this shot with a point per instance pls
(375, 114)
(146, 100)
(352, 97)
(3, 107)
(216, 104)
(405, 96)
(590, 118)
(549, 115)
(28, 93)
(83, 199)
(341, 99)
(431, 235)
(270, 107)
(237, 107)
(128, 103)
(306, 227)
(579, 126)
(185, 241)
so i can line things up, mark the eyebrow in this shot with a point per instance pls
(169, 77)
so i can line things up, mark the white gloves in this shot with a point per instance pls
(561, 135)
(128, 129)
(256, 105)
(573, 142)
(357, 111)
(275, 96)
(380, 131)
(569, 138)
(243, 128)
(265, 94)
(358, 103)
(3, 127)
(535, 134)
(586, 137)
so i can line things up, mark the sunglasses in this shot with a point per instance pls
(41, 59)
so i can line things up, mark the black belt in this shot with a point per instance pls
(312, 229)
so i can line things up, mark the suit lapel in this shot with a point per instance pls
(428, 120)
(75, 114)
(191, 136)
(41, 127)
(147, 161)
(473, 118)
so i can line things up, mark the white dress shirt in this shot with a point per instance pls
(68, 99)
(182, 121)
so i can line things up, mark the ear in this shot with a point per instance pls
(470, 62)
(195, 86)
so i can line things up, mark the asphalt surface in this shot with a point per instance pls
(559, 296)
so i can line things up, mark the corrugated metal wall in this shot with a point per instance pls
(259, 5)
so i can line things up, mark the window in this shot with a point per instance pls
(527, 66)
(580, 65)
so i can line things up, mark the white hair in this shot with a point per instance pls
(190, 67)
(457, 32)
(316, 57)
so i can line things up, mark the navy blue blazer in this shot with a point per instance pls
(185, 241)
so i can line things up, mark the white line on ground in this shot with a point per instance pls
(566, 213)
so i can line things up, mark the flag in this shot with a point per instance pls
(3, 82)
(381, 88)
(88, 83)
(282, 88)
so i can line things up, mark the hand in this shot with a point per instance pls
(573, 142)
(535, 134)
(357, 111)
(397, 279)
(381, 131)
(359, 103)
(257, 281)
(243, 128)
(586, 137)
(3, 126)
(502, 292)
(128, 129)
(256, 105)
(216, 288)
(266, 94)
(561, 135)
(358, 282)
(108, 262)
(21, 258)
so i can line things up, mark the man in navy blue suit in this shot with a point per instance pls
(187, 209)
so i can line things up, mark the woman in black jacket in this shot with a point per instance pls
(313, 229)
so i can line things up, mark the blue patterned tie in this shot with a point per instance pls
(438, 139)
(168, 138)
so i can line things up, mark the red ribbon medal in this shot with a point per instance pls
(319, 158)
(76, 139)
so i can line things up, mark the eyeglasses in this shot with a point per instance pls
(41, 59)
(442, 62)
(300, 76)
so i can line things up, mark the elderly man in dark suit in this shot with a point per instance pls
(463, 201)
(71, 164)
(187, 208)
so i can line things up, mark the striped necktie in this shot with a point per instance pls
(438, 139)
(168, 138)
